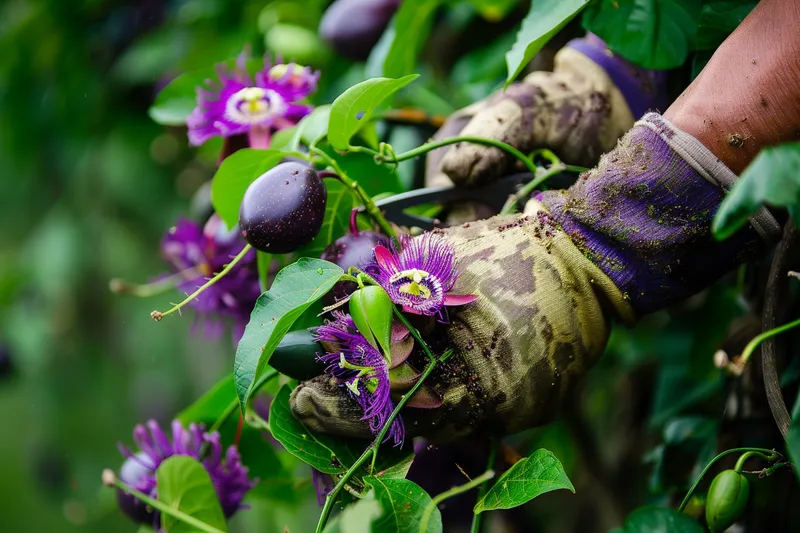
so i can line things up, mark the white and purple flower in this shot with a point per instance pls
(420, 275)
(257, 105)
(364, 371)
(228, 474)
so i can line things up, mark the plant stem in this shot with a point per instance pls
(358, 191)
(745, 456)
(439, 498)
(771, 455)
(370, 451)
(477, 518)
(166, 509)
(754, 343)
(158, 315)
(145, 290)
(420, 150)
(528, 188)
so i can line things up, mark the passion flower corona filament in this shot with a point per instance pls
(420, 275)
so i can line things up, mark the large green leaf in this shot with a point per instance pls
(184, 484)
(410, 27)
(337, 219)
(530, 477)
(295, 288)
(543, 20)
(359, 517)
(659, 520)
(404, 503)
(772, 178)
(354, 107)
(327, 453)
(315, 449)
(235, 175)
(210, 405)
(718, 19)
(657, 34)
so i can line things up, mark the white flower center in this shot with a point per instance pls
(254, 105)
(414, 285)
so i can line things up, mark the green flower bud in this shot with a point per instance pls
(726, 500)
(371, 310)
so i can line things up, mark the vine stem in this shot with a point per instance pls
(455, 491)
(483, 489)
(158, 315)
(758, 339)
(357, 190)
(145, 290)
(745, 456)
(425, 148)
(372, 449)
(769, 455)
(161, 506)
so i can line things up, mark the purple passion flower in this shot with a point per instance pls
(195, 254)
(239, 103)
(228, 474)
(363, 370)
(420, 275)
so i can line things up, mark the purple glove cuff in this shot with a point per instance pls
(643, 215)
(643, 89)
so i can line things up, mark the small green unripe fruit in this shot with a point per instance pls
(726, 500)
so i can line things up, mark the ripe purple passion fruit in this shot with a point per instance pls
(351, 250)
(283, 209)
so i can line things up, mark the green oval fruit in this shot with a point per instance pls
(296, 356)
(726, 500)
(371, 310)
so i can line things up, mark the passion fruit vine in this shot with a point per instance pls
(283, 209)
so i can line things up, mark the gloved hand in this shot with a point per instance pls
(579, 111)
(632, 235)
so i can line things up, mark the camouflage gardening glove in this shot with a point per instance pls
(579, 111)
(631, 236)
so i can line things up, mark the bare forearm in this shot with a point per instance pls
(748, 96)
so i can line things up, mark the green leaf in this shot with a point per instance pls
(359, 517)
(235, 175)
(793, 447)
(295, 288)
(175, 102)
(261, 457)
(656, 34)
(543, 20)
(316, 449)
(327, 453)
(771, 178)
(494, 10)
(184, 484)
(660, 520)
(336, 222)
(374, 178)
(404, 503)
(530, 477)
(410, 27)
(718, 19)
(210, 405)
(313, 126)
(354, 107)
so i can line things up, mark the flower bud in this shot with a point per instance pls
(371, 310)
(726, 500)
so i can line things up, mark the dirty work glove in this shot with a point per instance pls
(631, 236)
(579, 111)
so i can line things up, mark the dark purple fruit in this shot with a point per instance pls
(351, 250)
(283, 209)
(352, 27)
